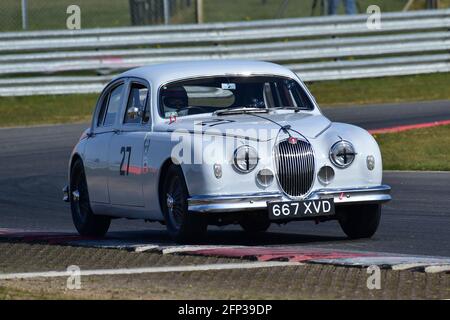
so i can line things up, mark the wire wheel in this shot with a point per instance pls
(80, 198)
(359, 221)
(255, 223)
(85, 221)
(174, 200)
(182, 225)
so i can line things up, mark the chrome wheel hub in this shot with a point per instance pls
(170, 202)
(75, 195)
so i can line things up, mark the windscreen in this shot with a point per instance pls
(207, 95)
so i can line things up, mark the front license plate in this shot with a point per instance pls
(301, 209)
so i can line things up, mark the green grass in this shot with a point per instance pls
(421, 149)
(382, 90)
(35, 110)
(7, 293)
(22, 111)
(46, 14)
(421, 4)
(235, 10)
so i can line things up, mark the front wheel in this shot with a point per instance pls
(360, 221)
(255, 223)
(182, 225)
(85, 221)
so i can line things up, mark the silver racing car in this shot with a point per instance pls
(221, 142)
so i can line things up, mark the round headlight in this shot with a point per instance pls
(342, 154)
(245, 159)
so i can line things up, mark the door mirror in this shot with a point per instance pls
(134, 113)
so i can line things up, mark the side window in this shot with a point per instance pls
(113, 107)
(137, 110)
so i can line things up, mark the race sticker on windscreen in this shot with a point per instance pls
(229, 86)
(171, 114)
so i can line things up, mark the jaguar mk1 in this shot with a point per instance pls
(194, 144)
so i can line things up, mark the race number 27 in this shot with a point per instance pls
(126, 155)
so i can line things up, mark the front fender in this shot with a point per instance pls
(357, 175)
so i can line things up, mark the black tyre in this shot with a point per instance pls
(360, 221)
(183, 226)
(85, 221)
(255, 223)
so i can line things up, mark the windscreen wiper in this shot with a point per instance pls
(240, 110)
(296, 109)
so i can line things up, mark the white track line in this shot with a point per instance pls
(144, 248)
(409, 266)
(181, 249)
(437, 269)
(105, 272)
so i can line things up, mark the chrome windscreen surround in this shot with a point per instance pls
(295, 167)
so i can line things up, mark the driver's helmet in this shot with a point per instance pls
(175, 98)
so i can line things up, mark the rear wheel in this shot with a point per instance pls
(85, 221)
(255, 223)
(360, 221)
(183, 226)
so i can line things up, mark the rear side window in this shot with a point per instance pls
(113, 105)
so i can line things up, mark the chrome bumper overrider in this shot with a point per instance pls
(251, 202)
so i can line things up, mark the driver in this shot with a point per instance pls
(175, 98)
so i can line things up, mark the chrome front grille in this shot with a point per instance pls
(295, 167)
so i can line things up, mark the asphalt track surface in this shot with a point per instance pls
(390, 115)
(33, 164)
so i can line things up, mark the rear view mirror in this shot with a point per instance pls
(133, 113)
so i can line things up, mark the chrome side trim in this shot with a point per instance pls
(258, 201)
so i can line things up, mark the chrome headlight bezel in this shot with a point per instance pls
(265, 177)
(245, 159)
(342, 160)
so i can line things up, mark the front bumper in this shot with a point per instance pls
(253, 202)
